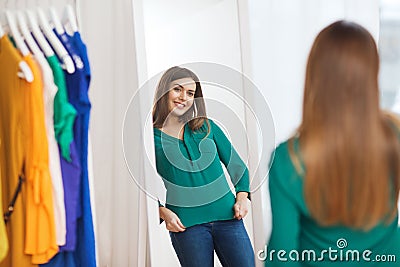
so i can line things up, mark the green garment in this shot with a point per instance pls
(197, 189)
(64, 112)
(293, 229)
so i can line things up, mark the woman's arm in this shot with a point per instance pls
(237, 169)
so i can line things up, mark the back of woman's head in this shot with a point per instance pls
(342, 73)
(350, 150)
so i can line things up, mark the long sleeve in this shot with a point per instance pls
(285, 218)
(230, 158)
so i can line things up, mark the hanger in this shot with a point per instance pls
(19, 41)
(56, 21)
(27, 35)
(57, 45)
(1, 31)
(71, 18)
(26, 72)
(41, 40)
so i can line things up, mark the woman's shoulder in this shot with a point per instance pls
(283, 149)
(206, 130)
(156, 132)
(213, 127)
(157, 136)
(394, 121)
(283, 175)
(286, 161)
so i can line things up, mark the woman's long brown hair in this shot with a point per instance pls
(349, 146)
(194, 116)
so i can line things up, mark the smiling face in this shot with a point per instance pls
(180, 96)
(176, 92)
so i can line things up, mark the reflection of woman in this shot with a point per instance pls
(334, 185)
(201, 212)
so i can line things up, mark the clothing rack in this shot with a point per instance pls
(76, 5)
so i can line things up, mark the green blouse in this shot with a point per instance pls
(300, 237)
(64, 112)
(197, 189)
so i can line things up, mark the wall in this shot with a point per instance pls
(108, 32)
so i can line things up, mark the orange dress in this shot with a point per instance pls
(3, 233)
(12, 119)
(40, 239)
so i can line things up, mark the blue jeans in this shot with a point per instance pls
(195, 246)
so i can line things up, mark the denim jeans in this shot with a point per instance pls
(195, 246)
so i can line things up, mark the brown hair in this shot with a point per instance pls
(350, 148)
(160, 108)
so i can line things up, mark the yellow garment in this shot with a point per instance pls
(3, 233)
(40, 239)
(12, 120)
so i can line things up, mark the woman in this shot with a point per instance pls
(334, 185)
(201, 212)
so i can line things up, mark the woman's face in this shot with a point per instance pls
(180, 96)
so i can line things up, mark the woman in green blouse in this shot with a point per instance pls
(334, 185)
(201, 212)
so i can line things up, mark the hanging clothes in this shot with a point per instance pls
(81, 48)
(12, 120)
(88, 195)
(49, 92)
(64, 112)
(70, 165)
(3, 233)
(71, 173)
(44, 154)
(77, 86)
(62, 259)
(40, 240)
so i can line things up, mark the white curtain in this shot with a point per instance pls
(107, 28)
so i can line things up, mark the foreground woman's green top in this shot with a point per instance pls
(306, 243)
(197, 189)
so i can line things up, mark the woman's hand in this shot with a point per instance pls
(240, 207)
(172, 221)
